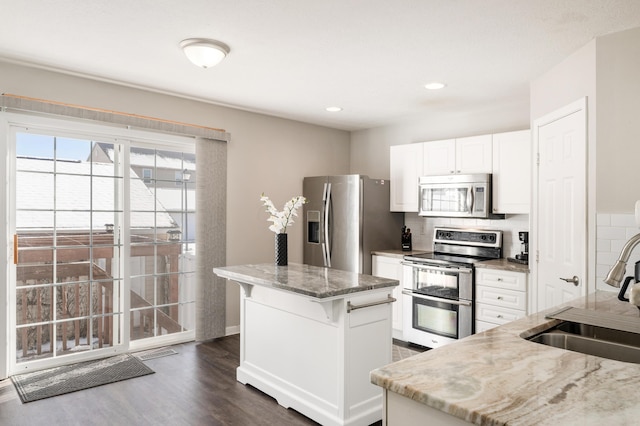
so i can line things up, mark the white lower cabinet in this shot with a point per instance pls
(501, 297)
(391, 267)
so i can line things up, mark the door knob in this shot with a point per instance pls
(575, 280)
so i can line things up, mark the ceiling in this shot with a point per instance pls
(294, 58)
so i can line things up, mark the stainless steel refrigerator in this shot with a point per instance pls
(346, 218)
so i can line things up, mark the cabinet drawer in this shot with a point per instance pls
(501, 297)
(502, 279)
(484, 326)
(497, 314)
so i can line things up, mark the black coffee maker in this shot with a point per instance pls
(524, 242)
(523, 256)
(406, 239)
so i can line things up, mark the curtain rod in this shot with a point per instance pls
(24, 103)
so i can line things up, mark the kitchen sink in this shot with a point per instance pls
(618, 340)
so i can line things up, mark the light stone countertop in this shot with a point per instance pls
(398, 253)
(502, 264)
(498, 378)
(312, 281)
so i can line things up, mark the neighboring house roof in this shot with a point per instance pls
(141, 157)
(172, 199)
(35, 195)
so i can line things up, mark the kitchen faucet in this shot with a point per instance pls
(616, 274)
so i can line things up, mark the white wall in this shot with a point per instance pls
(614, 229)
(607, 71)
(265, 154)
(618, 121)
(370, 148)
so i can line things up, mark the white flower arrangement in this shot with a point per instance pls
(282, 219)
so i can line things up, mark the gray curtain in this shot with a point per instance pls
(211, 237)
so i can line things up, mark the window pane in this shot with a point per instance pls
(34, 220)
(74, 300)
(34, 342)
(102, 190)
(33, 305)
(34, 146)
(34, 189)
(76, 220)
(72, 149)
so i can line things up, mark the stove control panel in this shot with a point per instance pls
(468, 237)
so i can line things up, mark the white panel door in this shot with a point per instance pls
(560, 225)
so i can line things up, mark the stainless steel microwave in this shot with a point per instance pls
(456, 196)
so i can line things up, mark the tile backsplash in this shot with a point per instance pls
(613, 231)
(422, 229)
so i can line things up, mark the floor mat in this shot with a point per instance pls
(154, 353)
(84, 375)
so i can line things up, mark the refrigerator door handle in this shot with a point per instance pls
(326, 252)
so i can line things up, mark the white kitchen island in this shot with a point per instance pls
(310, 336)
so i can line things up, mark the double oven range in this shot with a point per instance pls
(439, 286)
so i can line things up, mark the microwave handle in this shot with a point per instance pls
(470, 200)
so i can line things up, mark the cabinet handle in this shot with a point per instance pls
(499, 316)
(499, 297)
(499, 279)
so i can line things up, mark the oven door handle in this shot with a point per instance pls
(462, 270)
(437, 299)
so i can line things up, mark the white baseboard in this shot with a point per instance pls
(232, 330)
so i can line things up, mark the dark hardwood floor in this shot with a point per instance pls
(195, 387)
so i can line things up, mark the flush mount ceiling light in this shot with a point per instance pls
(435, 85)
(204, 52)
(333, 109)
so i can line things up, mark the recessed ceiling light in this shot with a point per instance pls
(434, 85)
(334, 109)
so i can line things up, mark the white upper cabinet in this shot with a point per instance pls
(405, 163)
(439, 157)
(506, 155)
(473, 154)
(458, 156)
(512, 172)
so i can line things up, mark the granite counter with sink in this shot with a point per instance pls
(499, 378)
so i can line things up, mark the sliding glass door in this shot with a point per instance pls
(67, 248)
(163, 246)
(104, 246)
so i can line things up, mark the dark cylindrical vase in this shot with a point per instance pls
(281, 249)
